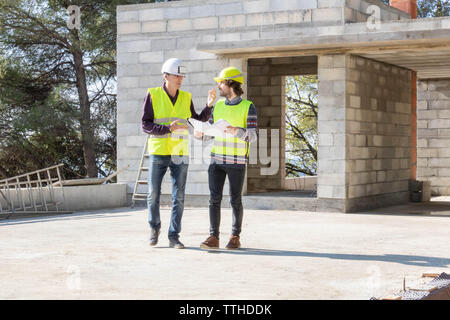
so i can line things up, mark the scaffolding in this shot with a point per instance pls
(39, 191)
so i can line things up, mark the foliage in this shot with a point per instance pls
(301, 125)
(57, 86)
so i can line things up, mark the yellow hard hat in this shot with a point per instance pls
(230, 73)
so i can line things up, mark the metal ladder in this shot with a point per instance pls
(32, 192)
(139, 195)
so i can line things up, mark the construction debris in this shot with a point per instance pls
(436, 289)
(32, 192)
(89, 181)
(40, 191)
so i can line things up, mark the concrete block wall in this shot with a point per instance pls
(266, 88)
(71, 198)
(433, 135)
(331, 169)
(378, 120)
(149, 34)
(364, 132)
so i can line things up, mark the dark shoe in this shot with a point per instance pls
(211, 243)
(154, 234)
(233, 243)
(175, 244)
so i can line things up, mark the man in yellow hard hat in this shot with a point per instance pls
(164, 119)
(229, 154)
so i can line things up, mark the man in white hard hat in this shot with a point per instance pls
(164, 119)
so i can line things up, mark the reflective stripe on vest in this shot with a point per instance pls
(236, 115)
(165, 113)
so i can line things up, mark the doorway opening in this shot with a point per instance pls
(274, 86)
(301, 135)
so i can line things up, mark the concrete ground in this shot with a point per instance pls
(286, 255)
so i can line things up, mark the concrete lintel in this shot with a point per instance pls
(171, 4)
(338, 39)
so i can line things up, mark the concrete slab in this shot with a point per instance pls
(421, 45)
(286, 255)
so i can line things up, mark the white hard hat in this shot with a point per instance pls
(174, 66)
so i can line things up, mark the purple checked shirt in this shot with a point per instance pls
(148, 126)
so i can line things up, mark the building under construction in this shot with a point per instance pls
(384, 84)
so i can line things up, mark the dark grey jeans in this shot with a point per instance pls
(216, 177)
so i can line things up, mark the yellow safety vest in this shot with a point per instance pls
(236, 115)
(176, 143)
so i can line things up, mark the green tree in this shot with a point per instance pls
(301, 125)
(431, 8)
(58, 80)
(36, 124)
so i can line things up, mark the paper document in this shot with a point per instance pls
(216, 130)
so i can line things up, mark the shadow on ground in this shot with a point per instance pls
(398, 258)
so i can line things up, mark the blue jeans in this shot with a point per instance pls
(157, 168)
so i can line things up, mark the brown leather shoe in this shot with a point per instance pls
(233, 243)
(210, 243)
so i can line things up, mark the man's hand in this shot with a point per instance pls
(232, 130)
(198, 134)
(211, 97)
(175, 126)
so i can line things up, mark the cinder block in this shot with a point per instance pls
(202, 11)
(256, 6)
(164, 44)
(151, 57)
(232, 21)
(186, 42)
(439, 143)
(128, 82)
(150, 81)
(125, 106)
(134, 46)
(151, 14)
(200, 55)
(179, 25)
(154, 26)
(331, 73)
(127, 16)
(128, 129)
(439, 104)
(355, 101)
(335, 102)
(136, 141)
(287, 5)
(330, 3)
(127, 58)
(255, 19)
(182, 54)
(324, 191)
(205, 23)
(230, 8)
(327, 14)
(176, 13)
(331, 179)
(443, 114)
(298, 17)
(128, 28)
